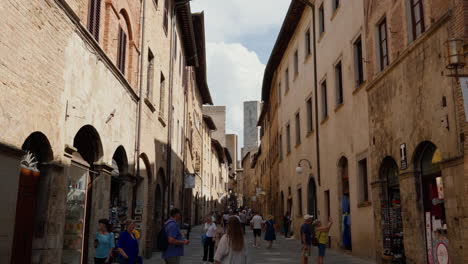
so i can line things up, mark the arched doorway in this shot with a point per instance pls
(31, 203)
(121, 191)
(143, 217)
(312, 198)
(345, 212)
(392, 222)
(159, 195)
(427, 160)
(76, 240)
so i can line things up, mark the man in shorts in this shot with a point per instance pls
(257, 222)
(306, 238)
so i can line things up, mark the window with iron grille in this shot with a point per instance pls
(339, 84)
(321, 19)
(358, 62)
(122, 50)
(94, 17)
(417, 18)
(383, 45)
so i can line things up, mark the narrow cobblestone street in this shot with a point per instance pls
(283, 251)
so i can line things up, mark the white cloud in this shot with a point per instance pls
(235, 72)
(229, 20)
(235, 75)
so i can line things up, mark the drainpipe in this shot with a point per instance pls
(140, 101)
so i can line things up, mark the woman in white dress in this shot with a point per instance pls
(232, 247)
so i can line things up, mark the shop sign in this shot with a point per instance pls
(189, 181)
(403, 158)
(442, 254)
(464, 87)
(430, 258)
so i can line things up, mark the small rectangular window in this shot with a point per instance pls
(327, 203)
(383, 47)
(288, 138)
(122, 49)
(308, 48)
(298, 129)
(324, 100)
(358, 62)
(279, 93)
(309, 115)
(321, 20)
(150, 76)
(363, 180)
(281, 147)
(296, 62)
(162, 94)
(286, 77)
(339, 84)
(299, 202)
(417, 18)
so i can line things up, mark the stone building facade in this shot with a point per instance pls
(417, 128)
(96, 138)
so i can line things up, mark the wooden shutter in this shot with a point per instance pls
(121, 50)
(94, 16)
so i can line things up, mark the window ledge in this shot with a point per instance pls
(359, 88)
(321, 37)
(162, 120)
(310, 133)
(338, 107)
(297, 144)
(364, 204)
(335, 12)
(324, 120)
(150, 105)
(307, 58)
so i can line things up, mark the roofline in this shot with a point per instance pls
(209, 121)
(184, 16)
(285, 35)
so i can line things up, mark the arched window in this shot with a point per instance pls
(94, 16)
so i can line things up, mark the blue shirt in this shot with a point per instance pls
(307, 231)
(129, 246)
(105, 243)
(173, 230)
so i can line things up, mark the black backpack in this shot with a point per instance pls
(163, 242)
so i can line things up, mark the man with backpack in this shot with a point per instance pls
(170, 239)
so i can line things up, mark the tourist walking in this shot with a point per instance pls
(104, 243)
(243, 219)
(208, 245)
(257, 223)
(219, 232)
(321, 233)
(286, 224)
(306, 239)
(232, 248)
(176, 243)
(128, 245)
(270, 231)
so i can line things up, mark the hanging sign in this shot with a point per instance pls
(403, 158)
(464, 87)
(189, 181)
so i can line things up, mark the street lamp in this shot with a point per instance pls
(300, 169)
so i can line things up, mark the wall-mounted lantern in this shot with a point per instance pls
(455, 54)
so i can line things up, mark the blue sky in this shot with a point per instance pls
(240, 35)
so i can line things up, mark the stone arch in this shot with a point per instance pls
(128, 22)
(121, 189)
(344, 201)
(88, 143)
(32, 197)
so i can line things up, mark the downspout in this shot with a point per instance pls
(140, 102)
(317, 132)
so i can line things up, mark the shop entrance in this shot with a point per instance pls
(427, 161)
(312, 198)
(121, 191)
(392, 224)
(345, 212)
